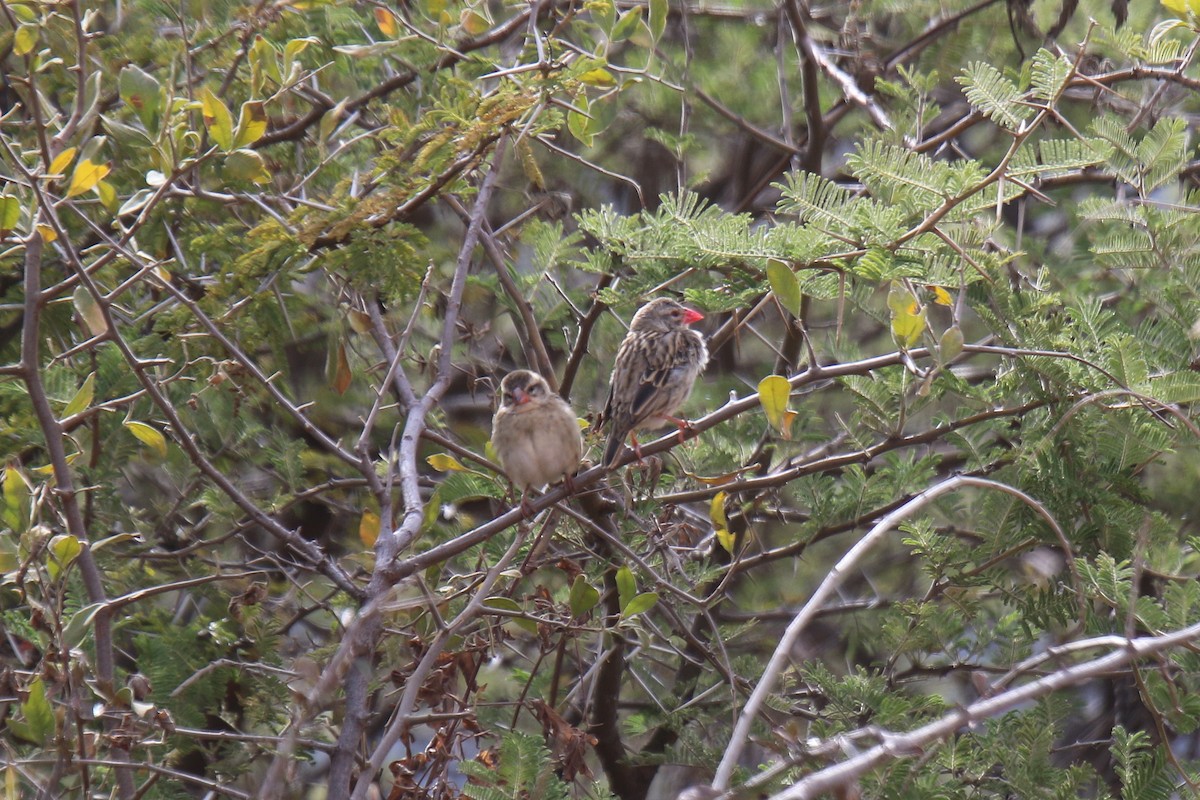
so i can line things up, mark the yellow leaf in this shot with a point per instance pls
(368, 528)
(774, 392)
(360, 321)
(472, 22)
(217, 119)
(107, 195)
(900, 298)
(717, 480)
(49, 468)
(58, 167)
(907, 326)
(443, 462)
(716, 511)
(598, 77)
(252, 123)
(386, 22)
(47, 233)
(86, 176)
(1182, 7)
(725, 539)
(941, 296)
(24, 40)
(148, 436)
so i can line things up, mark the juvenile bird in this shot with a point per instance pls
(656, 366)
(535, 432)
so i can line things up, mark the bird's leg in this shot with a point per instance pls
(526, 503)
(686, 429)
(637, 448)
(569, 482)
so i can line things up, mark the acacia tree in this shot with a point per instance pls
(930, 533)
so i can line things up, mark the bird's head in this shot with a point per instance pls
(521, 386)
(662, 315)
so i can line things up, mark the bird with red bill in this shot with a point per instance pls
(657, 365)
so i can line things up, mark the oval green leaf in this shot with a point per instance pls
(640, 604)
(626, 586)
(584, 597)
(82, 398)
(785, 286)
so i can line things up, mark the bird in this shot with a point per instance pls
(657, 364)
(535, 433)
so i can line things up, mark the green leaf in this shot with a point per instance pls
(951, 344)
(626, 586)
(10, 213)
(639, 605)
(217, 119)
(584, 597)
(627, 24)
(151, 437)
(658, 18)
(16, 499)
(252, 123)
(507, 604)
(290, 51)
(39, 716)
(64, 549)
(143, 93)
(246, 165)
(502, 604)
(784, 286)
(89, 311)
(82, 398)
(578, 121)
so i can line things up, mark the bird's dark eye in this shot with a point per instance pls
(535, 389)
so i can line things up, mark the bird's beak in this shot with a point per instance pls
(520, 397)
(691, 315)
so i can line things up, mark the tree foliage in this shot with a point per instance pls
(930, 534)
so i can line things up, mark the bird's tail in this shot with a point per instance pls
(616, 438)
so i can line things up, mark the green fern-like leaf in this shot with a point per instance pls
(996, 97)
(1049, 74)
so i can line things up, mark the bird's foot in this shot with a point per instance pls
(686, 429)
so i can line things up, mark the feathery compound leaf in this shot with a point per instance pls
(1049, 75)
(900, 176)
(816, 200)
(994, 95)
